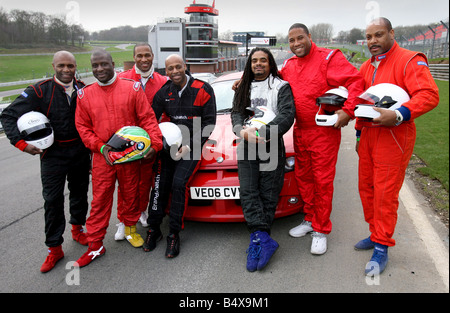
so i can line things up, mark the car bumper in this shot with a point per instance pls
(230, 210)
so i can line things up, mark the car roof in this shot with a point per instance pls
(231, 76)
(203, 74)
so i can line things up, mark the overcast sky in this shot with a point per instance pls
(270, 16)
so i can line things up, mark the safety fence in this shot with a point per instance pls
(439, 71)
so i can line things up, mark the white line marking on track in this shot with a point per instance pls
(427, 233)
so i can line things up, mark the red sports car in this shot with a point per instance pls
(214, 190)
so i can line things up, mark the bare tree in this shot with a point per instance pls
(321, 33)
(26, 28)
(355, 35)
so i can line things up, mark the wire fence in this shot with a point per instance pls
(433, 42)
(433, 49)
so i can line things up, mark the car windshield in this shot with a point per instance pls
(224, 95)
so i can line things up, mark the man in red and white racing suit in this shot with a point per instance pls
(151, 82)
(386, 143)
(103, 108)
(311, 72)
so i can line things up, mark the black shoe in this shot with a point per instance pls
(173, 245)
(153, 236)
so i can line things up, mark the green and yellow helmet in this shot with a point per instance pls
(130, 143)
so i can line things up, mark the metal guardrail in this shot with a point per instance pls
(2, 106)
(21, 82)
(33, 81)
(79, 75)
(439, 71)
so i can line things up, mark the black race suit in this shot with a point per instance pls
(194, 110)
(67, 158)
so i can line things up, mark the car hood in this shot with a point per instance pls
(220, 149)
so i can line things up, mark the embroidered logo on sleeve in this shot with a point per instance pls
(24, 94)
(80, 93)
(422, 63)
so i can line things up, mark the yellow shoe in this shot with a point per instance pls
(134, 238)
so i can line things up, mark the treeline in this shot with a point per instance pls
(26, 28)
(122, 33)
(20, 28)
(322, 33)
(402, 33)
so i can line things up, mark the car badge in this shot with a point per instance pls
(220, 159)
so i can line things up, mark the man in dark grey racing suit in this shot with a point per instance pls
(261, 155)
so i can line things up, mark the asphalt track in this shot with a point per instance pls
(212, 258)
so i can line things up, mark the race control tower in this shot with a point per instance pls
(202, 36)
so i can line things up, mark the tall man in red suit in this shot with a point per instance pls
(151, 81)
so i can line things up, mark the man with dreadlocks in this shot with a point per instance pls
(260, 185)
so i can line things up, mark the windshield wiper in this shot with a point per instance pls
(227, 110)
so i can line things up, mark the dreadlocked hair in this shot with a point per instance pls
(242, 95)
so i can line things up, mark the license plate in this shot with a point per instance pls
(214, 193)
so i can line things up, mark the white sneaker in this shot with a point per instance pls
(301, 230)
(143, 219)
(319, 243)
(120, 234)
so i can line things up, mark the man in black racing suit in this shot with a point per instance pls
(67, 158)
(190, 104)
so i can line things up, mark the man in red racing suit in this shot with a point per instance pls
(386, 143)
(151, 82)
(103, 108)
(311, 72)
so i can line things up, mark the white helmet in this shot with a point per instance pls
(385, 96)
(329, 103)
(171, 135)
(263, 116)
(35, 129)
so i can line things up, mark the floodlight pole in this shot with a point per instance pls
(424, 40)
(434, 39)
(446, 40)
(248, 37)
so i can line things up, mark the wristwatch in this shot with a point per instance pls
(399, 118)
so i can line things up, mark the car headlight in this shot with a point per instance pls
(289, 165)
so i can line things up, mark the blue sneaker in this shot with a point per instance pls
(268, 248)
(379, 260)
(253, 252)
(365, 244)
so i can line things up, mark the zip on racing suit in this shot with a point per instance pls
(102, 110)
(317, 147)
(260, 187)
(150, 87)
(384, 152)
(67, 158)
(194, 110)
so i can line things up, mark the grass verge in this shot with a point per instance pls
(429, 166)
(16, 68)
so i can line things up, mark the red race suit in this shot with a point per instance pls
(316, 146)
(384, 152)
(150, 87)
(101, 111)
